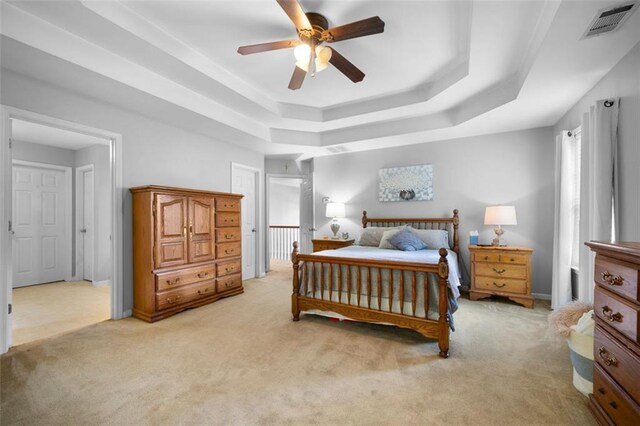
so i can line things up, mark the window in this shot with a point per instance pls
(574, 173)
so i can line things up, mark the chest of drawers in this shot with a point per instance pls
(616, 377)
(501, 271)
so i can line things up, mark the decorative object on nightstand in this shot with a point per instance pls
(335, 211)
(501, 271)
(330, 244)
(616, 375)
(499, 215)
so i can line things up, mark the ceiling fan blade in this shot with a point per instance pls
(293, 9)
(265, 47)
(297, 78)
(345, 67)
(366, 27)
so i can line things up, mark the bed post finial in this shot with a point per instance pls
(456, 237)
(443, 309)
(364, 218)
(295, 310)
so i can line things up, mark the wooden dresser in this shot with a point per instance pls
(186, 249)
(501, 271)
(616, 375)
(330, 244)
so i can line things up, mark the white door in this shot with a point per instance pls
(245, 183)
(39, 222)
(86, 225)
(307, 214)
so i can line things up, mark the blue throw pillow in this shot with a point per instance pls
(406, 240)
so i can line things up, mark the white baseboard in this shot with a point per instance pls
(103, 283)
(74, 278)
(541, 296)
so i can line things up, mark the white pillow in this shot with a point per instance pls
(386, 235)
(372, 235)
(433, 238)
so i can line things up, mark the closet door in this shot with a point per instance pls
(171, 230)
(201, 229)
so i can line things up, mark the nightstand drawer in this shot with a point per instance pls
(501, 285)
(487, 257)
(521, 259)
(501, 270)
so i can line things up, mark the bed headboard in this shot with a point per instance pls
(449, 224)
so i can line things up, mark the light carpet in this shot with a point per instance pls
(243, 361)
(46, 310)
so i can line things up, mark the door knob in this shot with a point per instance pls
(312, 229)
(83, 230)
(253, 230)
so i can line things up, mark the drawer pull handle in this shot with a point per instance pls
(228, 251)
(613, 405)
(601, 390)
(228, 236)
(486, 258)
(499, 285)
(171, 301)
(609, 361)
(606, 312)
(611, 280)
(202, 274)
(501, 271)
(169, 282)
(206, 290)
(512, 259)
(229, 269)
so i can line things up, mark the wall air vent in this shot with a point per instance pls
(338, 149)
(610, 20)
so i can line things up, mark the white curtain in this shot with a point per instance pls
(599, 186)
(563, 226)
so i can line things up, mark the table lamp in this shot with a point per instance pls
(335, 211)
(499, 215)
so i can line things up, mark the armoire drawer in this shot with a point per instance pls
(501, 270)
(613, 399)
(225, 235)
(618, 277)
(229, 268)
(620, 363)
(224, 204)
(616, 312)
(171, 298)
(229, 283)
(173, 279)
(228, 250)
(227, 219)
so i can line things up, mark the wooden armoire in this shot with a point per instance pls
(186, 249)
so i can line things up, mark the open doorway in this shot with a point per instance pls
(61, 186)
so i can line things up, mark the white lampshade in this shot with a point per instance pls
(335, 210)
(302, 52)
(500, 215)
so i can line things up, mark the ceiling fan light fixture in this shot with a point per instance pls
(304, 65)
(302, 52)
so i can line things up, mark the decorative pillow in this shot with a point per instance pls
(406, 240)
(434, 238)
(390, 233)
(372, 236)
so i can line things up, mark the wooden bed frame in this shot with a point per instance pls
(436, 329)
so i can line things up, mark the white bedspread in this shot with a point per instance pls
(420, 256)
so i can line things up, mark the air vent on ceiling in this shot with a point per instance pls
(610, 19)
(338, 149)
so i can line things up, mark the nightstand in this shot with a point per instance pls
(330, 244)
(501, 271)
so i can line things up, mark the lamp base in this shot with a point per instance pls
(496, 241)
(335, 227)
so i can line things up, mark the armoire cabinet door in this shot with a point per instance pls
(201, 229)
(171, 230)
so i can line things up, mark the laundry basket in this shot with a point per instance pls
(581, 348)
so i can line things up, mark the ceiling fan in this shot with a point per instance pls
(313, 30)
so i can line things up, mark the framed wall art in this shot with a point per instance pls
(406, 183)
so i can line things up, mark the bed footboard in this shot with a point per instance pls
(405, 294)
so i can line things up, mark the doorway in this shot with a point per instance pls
(246, 180)
(44, 287)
